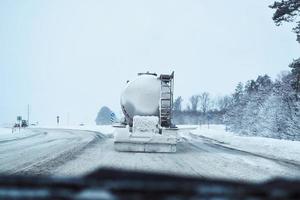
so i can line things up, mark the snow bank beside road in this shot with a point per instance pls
(104, 129)
(276, 148)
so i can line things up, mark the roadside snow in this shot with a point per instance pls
(104, 129)
(7, 134)
(276, 148)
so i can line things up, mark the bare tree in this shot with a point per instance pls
(223, 103)
(177, 103)
(194, 100)
(204, 101)
(188, 107)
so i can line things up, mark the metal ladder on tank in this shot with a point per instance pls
(166, 99)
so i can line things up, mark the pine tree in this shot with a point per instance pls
(287, 11)
(104, 116)
(295, 65)
(233, 117)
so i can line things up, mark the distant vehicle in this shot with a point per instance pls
(24, 124)
(16, 125)
(34, 124)
(82, 124)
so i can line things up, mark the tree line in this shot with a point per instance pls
(200, 109)
(267, 108)
(258, 107)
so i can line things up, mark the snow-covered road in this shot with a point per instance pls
(75, 152)
(38, 151)
(196, 155)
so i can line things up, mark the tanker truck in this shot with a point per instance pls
(147, 103)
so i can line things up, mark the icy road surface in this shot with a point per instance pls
(39, 151)
(201, 152)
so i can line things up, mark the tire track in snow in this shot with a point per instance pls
(47, 165)
(47, 158)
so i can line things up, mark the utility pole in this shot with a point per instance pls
(19, 119)
(28, 114)
(68, 118)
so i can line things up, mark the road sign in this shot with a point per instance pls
(19, 118)
(112, 117)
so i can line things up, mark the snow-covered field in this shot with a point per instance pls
(204, 152)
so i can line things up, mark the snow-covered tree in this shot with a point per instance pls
(266, 108)
(233, 117)
(223, 103)
(104, 116)
(287, 11)
(295, 66)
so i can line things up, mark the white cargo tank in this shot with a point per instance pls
(147, 105)
(141, 97)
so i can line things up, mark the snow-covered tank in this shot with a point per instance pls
(147, 105)
(141, 97)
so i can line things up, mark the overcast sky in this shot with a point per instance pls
(75, 56)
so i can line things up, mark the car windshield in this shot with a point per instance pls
(207, 89)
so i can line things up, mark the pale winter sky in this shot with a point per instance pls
(73, 57)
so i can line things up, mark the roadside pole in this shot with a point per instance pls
(57, 120)
(28, 115)
(19, 119)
